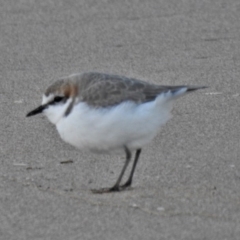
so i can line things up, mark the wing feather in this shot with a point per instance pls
(103, 90)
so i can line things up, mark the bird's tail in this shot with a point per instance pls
(177, 91)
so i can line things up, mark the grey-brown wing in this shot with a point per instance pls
(103, 90)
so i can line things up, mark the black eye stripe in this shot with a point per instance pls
(58, 99)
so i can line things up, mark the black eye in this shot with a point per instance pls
(58, 99)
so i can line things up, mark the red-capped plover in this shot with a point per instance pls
(102, 113)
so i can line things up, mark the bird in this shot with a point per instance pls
(105, 113)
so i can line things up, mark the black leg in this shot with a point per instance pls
(116, 186)
(129, 181)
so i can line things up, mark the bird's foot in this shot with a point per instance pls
(126, 185)
(106, 190)
(112, 189)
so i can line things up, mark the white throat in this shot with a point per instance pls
(55, 112)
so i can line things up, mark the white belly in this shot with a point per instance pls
(127, 124)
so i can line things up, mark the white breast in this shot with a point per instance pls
(127, 124)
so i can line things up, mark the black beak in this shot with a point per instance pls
(36, 111)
